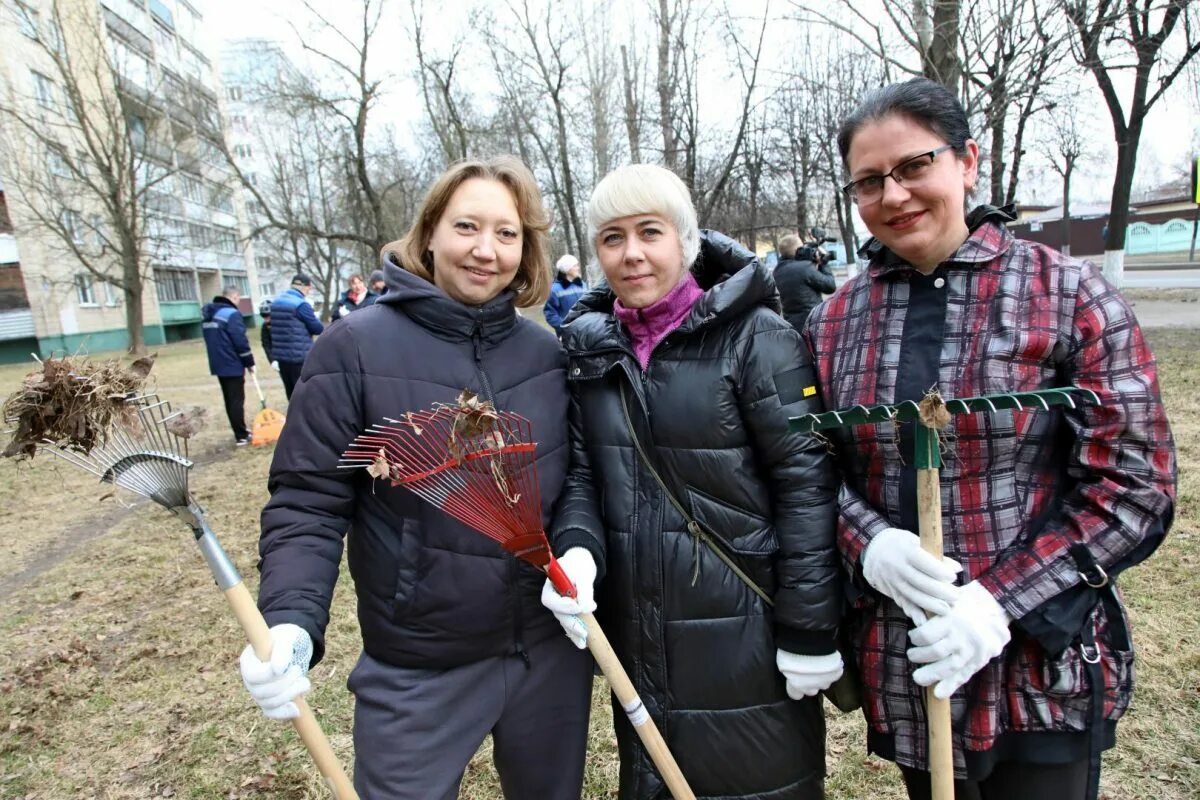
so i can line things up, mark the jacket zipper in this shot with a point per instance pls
(513, 568)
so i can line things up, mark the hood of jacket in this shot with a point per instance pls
(434, 310)
(210, 309)
(732, 277)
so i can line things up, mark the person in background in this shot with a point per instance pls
(377, 284)
(567, 288)
(264, 311)
(294, 323)
(1020, 626)
(355, 297)
(229, 356)
(803, 278)
(682, 357)
(455, 644)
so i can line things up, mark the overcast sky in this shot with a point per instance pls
(1171, 136)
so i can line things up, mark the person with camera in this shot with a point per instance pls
(803, 278)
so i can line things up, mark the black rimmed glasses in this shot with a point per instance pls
(865, 191)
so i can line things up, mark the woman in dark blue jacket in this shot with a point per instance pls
(455, 642)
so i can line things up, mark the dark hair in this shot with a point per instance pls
(300, 279)
(927, 103)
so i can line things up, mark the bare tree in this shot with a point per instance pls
(334, 189)
(1063, 152)
(1111, 37)
(633, 96)
(95, 161)
(443, 102)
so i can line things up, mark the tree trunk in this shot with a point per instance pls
(939, 61)
(1066, 221)
(845, 220)
(135, 318)
(996, 154)
(1118, 215)
(665, 85)
(631, 110)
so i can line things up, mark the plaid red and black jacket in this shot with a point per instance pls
(1018, 487)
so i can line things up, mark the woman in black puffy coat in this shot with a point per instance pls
(686, 337)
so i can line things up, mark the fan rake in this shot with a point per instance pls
(144, 456)
(477, 465)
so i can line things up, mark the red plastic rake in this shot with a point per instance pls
(477, 465)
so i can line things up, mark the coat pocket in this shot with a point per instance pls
(409, 567)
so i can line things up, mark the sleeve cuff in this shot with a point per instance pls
(804, 642)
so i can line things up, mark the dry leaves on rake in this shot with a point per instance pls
(72, 402)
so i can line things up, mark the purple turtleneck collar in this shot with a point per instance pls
(650, 325)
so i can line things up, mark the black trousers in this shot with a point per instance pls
(289, 372)
(416, 729)
(1011, 780)
(233, 389)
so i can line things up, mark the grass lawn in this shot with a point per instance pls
(118, 674)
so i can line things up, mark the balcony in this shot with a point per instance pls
(17, 324)
(9, 253)
(174, 312)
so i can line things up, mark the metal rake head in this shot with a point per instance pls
(142, 456)
(472, 462)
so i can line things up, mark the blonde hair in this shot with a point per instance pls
(645, 189)
(788, 245)
(533, 278)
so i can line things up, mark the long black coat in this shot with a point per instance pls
(431, 592)
(802, 286)
(699, 645)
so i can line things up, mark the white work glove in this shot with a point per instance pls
(580, 567)
(894, 564)
(276, 683)
(275, 366)
(807, 675)
(956, 646)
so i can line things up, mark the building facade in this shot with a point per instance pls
(137, 75)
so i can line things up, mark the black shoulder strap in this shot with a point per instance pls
(699, 535)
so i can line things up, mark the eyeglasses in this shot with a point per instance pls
(865, 191)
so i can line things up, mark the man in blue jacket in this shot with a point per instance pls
(293, 324)
(229, 356)
(567, 288)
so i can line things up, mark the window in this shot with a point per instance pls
(225, 240)
(267, 289)
(56, 163)
(28, 20)
(72, 225)
(240, 281)
(43, 90)
(165, 38)
(129, 64)
(224, 201)
(243, 151)
(235, 93)
(96, 223)
(85, 290)
(193, 189)
(174, 285)
(112, 295)
(137, 131)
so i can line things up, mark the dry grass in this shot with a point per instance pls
(118, 673)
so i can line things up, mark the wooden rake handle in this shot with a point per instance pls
(941, 742)
(306, 724)
(628, 697)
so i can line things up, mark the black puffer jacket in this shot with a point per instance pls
(699, 645)
(801, 288)
(431, 592)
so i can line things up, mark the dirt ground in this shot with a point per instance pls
(118, 674)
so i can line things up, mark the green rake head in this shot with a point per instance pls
(927, 455)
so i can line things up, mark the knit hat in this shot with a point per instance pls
(566, 262)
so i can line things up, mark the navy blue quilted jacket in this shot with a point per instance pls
(293, 324)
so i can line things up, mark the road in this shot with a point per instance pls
(1162, 279)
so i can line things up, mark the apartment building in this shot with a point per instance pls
(141, 60)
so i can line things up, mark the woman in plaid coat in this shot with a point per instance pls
(1021, 625)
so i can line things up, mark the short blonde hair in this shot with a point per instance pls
(533, 278)
(645, 189)
(788, 245)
